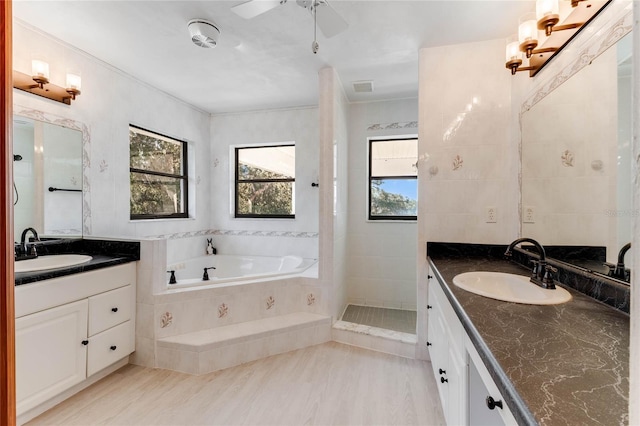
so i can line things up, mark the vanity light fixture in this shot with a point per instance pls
(43, 87)
(539, 49)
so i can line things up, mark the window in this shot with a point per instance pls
(393, 179)
(265, 181)
(158, 175)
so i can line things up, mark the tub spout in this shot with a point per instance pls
(172, 278)
(205, 275)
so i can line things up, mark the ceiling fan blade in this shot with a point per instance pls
(329, 21)
(253, 8)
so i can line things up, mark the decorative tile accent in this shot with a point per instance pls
(457, 163)
(270, 302)
(223, 310)
(397, 125)
(567, 158)
(198, 180)
(166, 319)
(216, 162)
(310, 299)
(433, 170)
(103, 166)
(597, 165)
(86, 159)
(235, 232)
(608, 38)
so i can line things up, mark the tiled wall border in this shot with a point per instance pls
(236, 232)
(396, 125)
(86, 149)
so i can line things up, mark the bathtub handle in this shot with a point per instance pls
(205, 275)
(172, 278)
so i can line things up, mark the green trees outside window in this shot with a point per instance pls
(158, 175)
(265, 182)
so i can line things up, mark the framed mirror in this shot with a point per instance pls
(577, 162)
(50, 167)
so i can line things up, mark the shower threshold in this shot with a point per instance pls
(399, 320)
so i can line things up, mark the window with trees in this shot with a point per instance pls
(158, 175)
(393, 179)
(265, 181)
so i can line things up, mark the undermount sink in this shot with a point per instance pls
(54, 261)
(510, 288)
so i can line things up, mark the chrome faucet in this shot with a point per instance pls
(23, 242)
(620, 271)
(542, 274)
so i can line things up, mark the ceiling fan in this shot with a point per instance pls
(325, 17)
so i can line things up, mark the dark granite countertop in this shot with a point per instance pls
(562, 364)
(105, 253)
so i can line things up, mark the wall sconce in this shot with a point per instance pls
(40, 75)
(547, 18)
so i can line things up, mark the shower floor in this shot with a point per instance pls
(390, 319)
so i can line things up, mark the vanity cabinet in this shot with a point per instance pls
(464, 383)
(69, 328)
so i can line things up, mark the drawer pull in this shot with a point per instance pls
(113, 348)
(443, 380)
(441, 371)
(428, 343)
(429, 307)
(114, 309)
(492, 403)
(429, 277)
(85, 342)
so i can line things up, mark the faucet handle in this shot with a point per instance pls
(547, 279)
(536, 266)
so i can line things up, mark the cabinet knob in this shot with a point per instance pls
(113, 348)
(441, 371)
(428, 343)
(85, 342)
(492, 403)
(114, 309)
(443, 380)
(429, 307)
(429, 277)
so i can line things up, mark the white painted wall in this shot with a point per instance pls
(381, 256)
(109, 102)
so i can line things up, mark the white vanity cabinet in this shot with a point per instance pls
(464, 384)
(69, 328)
(445, 343)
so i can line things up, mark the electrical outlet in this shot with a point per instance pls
(529, 214)
(491, 214)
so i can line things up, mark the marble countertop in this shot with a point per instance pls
(555, 365)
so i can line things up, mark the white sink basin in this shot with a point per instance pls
(510, 288)
(51, 262)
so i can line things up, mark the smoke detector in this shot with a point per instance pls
(203, 33)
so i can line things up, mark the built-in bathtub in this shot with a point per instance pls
(235, 268)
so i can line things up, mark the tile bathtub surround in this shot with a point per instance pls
(604, 289)
(554, 365)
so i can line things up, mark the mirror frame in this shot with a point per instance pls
(86, 149)
(611, 25)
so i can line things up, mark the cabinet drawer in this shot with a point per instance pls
(109, 309)
(108, 347)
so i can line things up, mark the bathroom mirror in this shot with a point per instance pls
(48, 177)
(576, 159)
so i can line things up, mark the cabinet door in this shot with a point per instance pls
(50, 354)
(109, 346)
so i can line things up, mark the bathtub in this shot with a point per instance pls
(230, 268)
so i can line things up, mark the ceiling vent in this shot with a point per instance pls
(363, 86)
(203, 33)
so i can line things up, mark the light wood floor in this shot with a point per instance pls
(328, 384)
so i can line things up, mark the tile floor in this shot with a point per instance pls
(390, 319)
